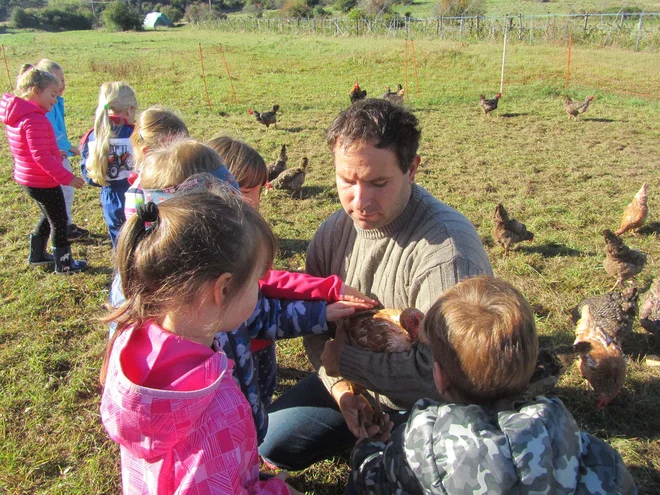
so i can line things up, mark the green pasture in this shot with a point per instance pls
(566, 180)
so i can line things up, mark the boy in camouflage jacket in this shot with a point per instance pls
(484, 344)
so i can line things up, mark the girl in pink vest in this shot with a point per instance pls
(189, 267)
(38, 164)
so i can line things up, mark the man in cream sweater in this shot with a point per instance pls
(394, 242)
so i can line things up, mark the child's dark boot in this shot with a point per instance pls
(64, 262)
(38, 253)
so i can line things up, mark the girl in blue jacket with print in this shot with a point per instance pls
(107, 154)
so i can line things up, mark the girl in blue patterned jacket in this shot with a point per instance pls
(107, 154)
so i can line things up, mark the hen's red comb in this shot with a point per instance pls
(250, 111)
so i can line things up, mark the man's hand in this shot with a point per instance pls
(332, 353)
(74, 150)
(353, 407)
(382, 435)
(341, 309)
(350, 294)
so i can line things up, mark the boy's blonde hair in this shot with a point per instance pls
(155, 127)
(482, 333)
(243, 161)
(116, 97)
(173, 164)
(30, 79)
(49, 66)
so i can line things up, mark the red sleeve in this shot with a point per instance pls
(40, 139)
(291, 285)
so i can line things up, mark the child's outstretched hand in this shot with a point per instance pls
(341, 309)
(77, 182)
(350, 294)
(74, 150)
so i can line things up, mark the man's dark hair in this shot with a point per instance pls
(381, 124)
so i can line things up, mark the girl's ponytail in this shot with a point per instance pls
(118, 97)
(97, 166)
(133, 311)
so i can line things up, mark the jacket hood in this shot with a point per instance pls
(13, 109)
(157, 387)
(535, 448)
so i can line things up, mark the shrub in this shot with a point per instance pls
(296, 8)
(173, 13)
(51, 19)
(146, 7)
(346, 5)
(319, 11)
(196, 13)
(457, 8)
(21, 19)
(121, 16)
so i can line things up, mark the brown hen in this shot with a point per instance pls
(614, 312)
(266, 118)
(635, 213)
(357, 94)
(291, 179)
(649, 313)
(602, 362)
(395, 97)
(279, 166)
(508, 231)
(621, 261)
(573, 109)
(489, 105)
(381, 330)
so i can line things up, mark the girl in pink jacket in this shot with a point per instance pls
(38, 164)
(169, 396)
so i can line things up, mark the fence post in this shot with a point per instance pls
(520, 27)
(639, 31)
(437, 26)
(531, 29)
(506, 32)
(461, 29)
(586, 21)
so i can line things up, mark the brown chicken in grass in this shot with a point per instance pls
(395, 97)
(621, 262)
(357, 94)
(291, 179)
(573, 109)
(614, 312)
(489, 105)
(602, 362)
(279, 166)
(381, 330)
(649, 313)
(508, 231)
(266, 118)
(635, 214)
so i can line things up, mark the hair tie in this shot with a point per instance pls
(106, 106)
(148, 212)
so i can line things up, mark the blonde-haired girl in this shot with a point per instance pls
(38, 164)
(56, 118)
(169, 397)
(107, 154)
(156, 127)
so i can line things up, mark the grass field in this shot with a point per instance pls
(567, 181)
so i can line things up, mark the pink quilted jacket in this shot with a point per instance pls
(37, 160)
(183, 424)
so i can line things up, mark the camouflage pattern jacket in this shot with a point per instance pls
(453, 448)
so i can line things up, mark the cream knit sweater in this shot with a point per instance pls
(407, 263)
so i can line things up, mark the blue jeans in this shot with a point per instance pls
(305, 426)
